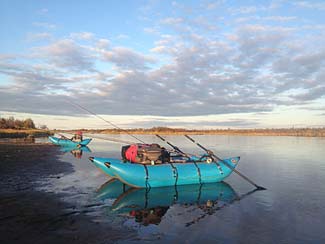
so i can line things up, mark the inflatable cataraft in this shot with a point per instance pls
(150, 165)
(76, 141)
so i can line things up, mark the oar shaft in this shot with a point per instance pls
(226, 164)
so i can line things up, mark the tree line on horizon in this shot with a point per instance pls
(311, 132)
(12, 123)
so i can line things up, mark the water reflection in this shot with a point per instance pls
(111, 189)
(148, 206)
(76, 151)
(291, 208)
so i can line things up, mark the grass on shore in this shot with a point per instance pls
(305, 132)
(23, 133)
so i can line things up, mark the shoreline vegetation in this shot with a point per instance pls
(15, 128)
(24, 133)
(299, 132)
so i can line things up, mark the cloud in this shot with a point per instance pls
(172, 21)
(126, 58)
(38, 36)
(188, 70)
(202, 22)
(271, 19)
(45, 25)
(122, 36)
(245, 10)
(102, 43)
(32, 80)
(66, 54)
(151, 30)
(280, 18)
(82, 35)
(312, 94)
(199, 80)
(190, 122)
(214, 5)
(310, 5)
(35, 104)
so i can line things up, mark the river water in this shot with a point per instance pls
(291, 210)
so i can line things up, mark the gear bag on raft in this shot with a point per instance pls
(145, 154)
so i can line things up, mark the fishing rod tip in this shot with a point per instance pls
(261, 188)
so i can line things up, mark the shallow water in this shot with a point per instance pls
(291, 210)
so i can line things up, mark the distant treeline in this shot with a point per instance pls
(12, 123)
(308, 132)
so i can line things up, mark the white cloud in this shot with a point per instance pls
(66, 54)
(310, 5)
(103, 43)
(172, 21)
(245, 10)
(215, 4)
(82, 35)
(151, 30)
(45, 25)
(188, 71)
(126, 58)
(122, 36)
(39, 36)
(280, 18)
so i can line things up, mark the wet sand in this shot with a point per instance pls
(28, 215)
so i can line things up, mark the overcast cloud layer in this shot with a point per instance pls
(188, 60)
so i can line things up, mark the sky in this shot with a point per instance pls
(191, 64)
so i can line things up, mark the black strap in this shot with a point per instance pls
(175, 172)
(147, 176)
(198, 171)
(199, 195)
(175, 195)
(147, 197)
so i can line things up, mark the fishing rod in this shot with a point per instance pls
(110, 123)
(100, 138)
(188, 155)
(113, 140)
(174, 147)
(225, 163)
(64, 136)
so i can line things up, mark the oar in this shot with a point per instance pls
(226, 163)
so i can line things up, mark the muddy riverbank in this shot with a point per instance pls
(28, 215)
